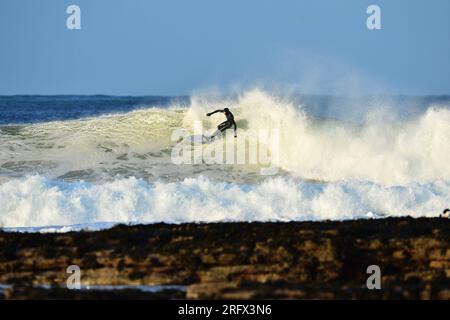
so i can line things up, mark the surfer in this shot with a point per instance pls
(226, 124)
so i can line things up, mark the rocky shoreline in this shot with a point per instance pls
(298, 260)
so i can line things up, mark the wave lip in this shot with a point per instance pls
(36, 201)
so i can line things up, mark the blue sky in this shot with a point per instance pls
(174, 47)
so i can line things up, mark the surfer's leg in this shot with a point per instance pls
(220, 128)
(214, 135)
(224, 126)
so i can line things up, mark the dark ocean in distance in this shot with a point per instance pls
(26, 109)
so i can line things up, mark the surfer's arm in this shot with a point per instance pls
(211, 113)
(234, 124)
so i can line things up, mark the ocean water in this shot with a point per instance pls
(74, 162)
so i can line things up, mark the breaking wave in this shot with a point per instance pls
(138, 143)
(117, 168)
(36, 201)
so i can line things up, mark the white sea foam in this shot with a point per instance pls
(36, 201)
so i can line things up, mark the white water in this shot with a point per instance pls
(37, 201)
(385, 152)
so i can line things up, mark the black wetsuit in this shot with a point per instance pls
(228, 123)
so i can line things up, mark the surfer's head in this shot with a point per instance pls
(226, 110)
(446, 213)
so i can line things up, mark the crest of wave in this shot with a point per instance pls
(328, 150)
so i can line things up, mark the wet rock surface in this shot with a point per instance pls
(299, 260)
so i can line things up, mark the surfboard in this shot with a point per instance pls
(204, 139)
(200, 139)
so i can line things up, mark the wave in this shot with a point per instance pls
(37, 201)
(382, 151)
(89, 147)
(139, 144)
